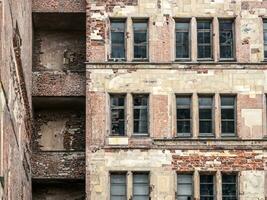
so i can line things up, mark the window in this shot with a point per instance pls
(228, 115)
(140, 111)
(140, 39)
(204, 39)
(265, 38)
(118, 39)
(117, 104)
(205, 115)
(226, 39)
(118, 189)
(140, 186)
(182, 30)
(207, 187)
(183, 113)
(229, 187)
(184, 187)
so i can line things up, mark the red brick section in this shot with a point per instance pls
(58, 165)
(96, 48)
(238, 160)
(160, 116)
(96, 113)
(58, 5)
(58, 84)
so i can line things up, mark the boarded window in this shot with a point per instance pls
(117, 107)
(265, 38)
(205, 115)
(140, 40)
(118, 39)
(207, 191)
(204, 39)
(118, 189)
(183, 112)
(140, 111)
(228, 115)
(140, 186)
(184, 187)
(182, 29)
(226, 39)
(229, 187)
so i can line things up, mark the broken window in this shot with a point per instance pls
(182, 30)
(117, 104)
(140, 111)
(204, 39)
(140, 39)
(183, 112)
(229, 187)
(207, 191)
(205, 115)
(184, 187)
(118, 39)
(226, 39)
(265, 38)
(140, 186)
(228, 115)
(118, 190)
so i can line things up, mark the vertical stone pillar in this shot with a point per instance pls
(215, 39)
(218, 185)
(129, 39)
(195, 123)
(194, 39)
(196, 182)
(217, 116)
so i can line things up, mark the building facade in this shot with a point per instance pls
(133, 100)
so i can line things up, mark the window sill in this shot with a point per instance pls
(145, 60)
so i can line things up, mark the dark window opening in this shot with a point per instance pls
(141, 186)
(140, 111)
(184, 187)
(207, 191)
(183, 113)
(182, 31)
(118, 39)
(117, 106)
(140, 39)
(226, 39)
(229, 187)
(228, 114)
(205, 115)
(204, 39)
(118, 190)
(265, 38)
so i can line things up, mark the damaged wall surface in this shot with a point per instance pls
(15, 99)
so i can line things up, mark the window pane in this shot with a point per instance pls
(265, 38)
(227, 101)
(228, 127)
(140, 186)
(228, 114)
(117, 114)
(182, 39)
(184, 186)
(117, 39)
(205, 127)
(205, 114)
(140, 26)
(181, 101)
(204, 39)
(205, 101)
(140, 106)
(118, 186)
(226, 39)
(229, 187)
(183, 127)
(206, 187)
(140, 38)
(140, 52)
